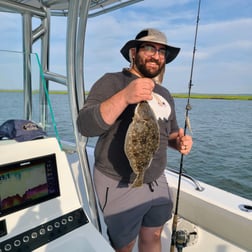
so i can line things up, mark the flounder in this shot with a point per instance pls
(141, 141)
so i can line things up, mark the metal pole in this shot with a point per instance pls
(27, 49)
(45, 49)
(75, 78)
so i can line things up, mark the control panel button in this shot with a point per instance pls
(49, 228)
(34, 235)
(42, 231)
(7, 247)
(57, 224)
(17, 243)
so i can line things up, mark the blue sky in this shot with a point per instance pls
(223, 60)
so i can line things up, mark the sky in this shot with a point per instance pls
(223, 58)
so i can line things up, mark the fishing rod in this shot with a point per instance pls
(179, 239)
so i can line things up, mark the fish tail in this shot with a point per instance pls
(138, 180)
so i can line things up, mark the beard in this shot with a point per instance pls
(146, 71)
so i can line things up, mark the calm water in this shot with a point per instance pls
(222, 134)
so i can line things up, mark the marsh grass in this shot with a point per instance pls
(175, 95)
(215, 96)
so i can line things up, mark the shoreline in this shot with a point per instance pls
(175, 95)
(246, 97)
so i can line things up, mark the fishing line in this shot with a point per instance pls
(187, 125)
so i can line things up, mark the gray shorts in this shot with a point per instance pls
(126, 209)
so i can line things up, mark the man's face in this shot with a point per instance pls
(150, 59)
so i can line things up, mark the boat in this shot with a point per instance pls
(48, 202)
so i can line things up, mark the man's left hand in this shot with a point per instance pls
(184, 142)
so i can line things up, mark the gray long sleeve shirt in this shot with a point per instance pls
(110, 158)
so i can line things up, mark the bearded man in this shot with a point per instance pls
(131, 212)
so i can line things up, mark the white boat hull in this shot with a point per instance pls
(215, 215)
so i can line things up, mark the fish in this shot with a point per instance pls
(188, 123)
(141, 141)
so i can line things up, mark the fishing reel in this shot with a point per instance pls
(181, 238)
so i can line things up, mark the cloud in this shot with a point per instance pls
(224, 44)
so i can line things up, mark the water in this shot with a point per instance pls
(222, 135)
(222, 149)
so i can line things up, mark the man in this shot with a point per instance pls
(141, 211)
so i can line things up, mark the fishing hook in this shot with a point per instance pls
(187, 125)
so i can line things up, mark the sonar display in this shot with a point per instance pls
(27, 183)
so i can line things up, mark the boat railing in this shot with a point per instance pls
(198, 187)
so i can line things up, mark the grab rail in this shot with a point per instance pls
(198, 187)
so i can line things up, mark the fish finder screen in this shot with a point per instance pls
(28, 182)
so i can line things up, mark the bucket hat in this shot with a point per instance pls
(154, 36)
(21, 130)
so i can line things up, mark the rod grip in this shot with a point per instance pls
(174, 228)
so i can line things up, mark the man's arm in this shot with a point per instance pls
(138, 90)
(95, 118)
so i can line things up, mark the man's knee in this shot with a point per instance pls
(150, 234)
